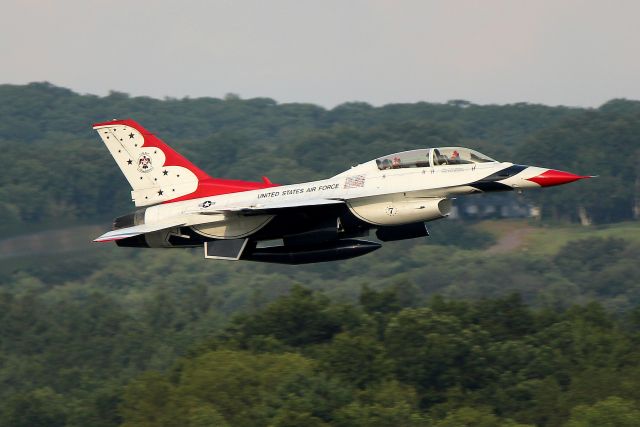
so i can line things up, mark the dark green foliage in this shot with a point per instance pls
(612, 411)
(383, 302)
(55, 170)
(298, 319)
(457, 233)
(38, 408)
(604, 143)
(122, 337)
(157, 351)
(492, 362)
(603, 266)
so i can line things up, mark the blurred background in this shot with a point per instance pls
(520, 309)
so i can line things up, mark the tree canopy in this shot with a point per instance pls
(443, 332)
(55, 170)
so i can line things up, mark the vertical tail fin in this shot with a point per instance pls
(155, 171)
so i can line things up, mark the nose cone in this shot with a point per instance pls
(554, 177)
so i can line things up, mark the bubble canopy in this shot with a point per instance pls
(427, 157)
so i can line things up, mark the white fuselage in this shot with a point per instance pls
(180, 205)
(379, 197)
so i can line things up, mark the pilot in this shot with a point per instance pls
(455, 157)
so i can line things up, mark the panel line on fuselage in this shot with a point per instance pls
(440, 181)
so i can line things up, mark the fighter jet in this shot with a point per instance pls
(178, 205)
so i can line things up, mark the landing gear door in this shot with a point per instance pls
(230, 249)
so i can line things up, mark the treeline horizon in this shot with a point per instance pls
(232, 95)
(51, 154)
(438, 332)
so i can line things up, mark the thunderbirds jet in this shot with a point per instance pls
(179, 205)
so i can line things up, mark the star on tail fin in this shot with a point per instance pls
(155, 171)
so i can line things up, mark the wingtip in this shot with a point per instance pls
(109, 239)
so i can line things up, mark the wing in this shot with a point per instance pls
(205, 215)
(266, 207)
(123, 233)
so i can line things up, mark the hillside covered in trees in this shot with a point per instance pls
(55, 170)
(307, 360)
(439, 332)
(424, 333)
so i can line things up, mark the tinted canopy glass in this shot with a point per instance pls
(458, 156)
(438, 156)
(406, 159)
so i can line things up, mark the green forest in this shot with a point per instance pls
(50, 150)
(449, 330)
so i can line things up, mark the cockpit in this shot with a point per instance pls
(427, 157)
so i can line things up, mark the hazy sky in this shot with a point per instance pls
(328, 52)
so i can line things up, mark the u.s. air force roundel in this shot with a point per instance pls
(144, 163)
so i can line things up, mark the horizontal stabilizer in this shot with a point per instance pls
(123, 233)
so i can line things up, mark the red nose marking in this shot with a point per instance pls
(554, 177)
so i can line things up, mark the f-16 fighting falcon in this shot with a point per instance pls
(178, 205)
